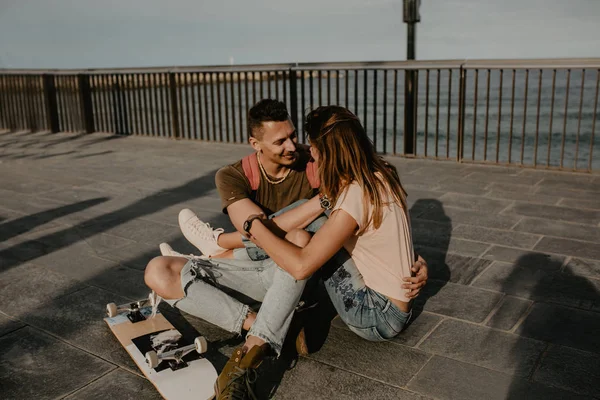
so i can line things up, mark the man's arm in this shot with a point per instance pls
(298, 217)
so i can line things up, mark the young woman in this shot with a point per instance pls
(368, 233)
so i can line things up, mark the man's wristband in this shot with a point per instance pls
(248, 223)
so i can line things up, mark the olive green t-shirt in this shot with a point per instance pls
(233, 186)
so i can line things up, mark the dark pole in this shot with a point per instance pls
(411, 17)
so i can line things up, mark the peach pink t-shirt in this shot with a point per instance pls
(383, 256)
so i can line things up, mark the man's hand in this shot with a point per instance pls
(416, 282)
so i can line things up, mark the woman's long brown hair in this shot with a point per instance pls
(346, 154)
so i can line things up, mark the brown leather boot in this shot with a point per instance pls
(236, 381)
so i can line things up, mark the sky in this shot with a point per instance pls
(144, 33)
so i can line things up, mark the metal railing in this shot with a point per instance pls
(532, 113)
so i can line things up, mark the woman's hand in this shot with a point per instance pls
(415, 283)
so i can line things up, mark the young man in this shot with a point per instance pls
(208, 286)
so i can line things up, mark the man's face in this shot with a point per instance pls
(278, 142)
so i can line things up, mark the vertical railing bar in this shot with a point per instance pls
(185, 88)
(247, 130)
(145, 89)
(551, 117)
(311, 89)
(594, 119)
(232, 95)
(193, 106)
(72, 105)
(346, 82)
(21, 94)
(537, 123)
(220, 112)
(487, 116)
(579, 119)
(365, 95)
(449, 112)
(385, 92)
(524, 114)
(501, 90)
(139, 114)
(437, 117)
(475, 101)
(562, 146)
(211, 83)
(226, 104)
(337, 86)
(253, 88)
(303, 103)
(320, 86)
(164, 114)
(426, 133)
(374, 109)
(512, 115)
(261, 83)
(328, 87)
(416, 111)
(394, 138)
(356, 92)
(65, 97)
(269, 84)
(205, 89)
(154, 105)
(240, 107)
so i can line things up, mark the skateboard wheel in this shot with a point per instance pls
(152, 359)
(201, 344)
(111, 310)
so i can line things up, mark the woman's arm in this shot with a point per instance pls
(299, 217)
(301, 263)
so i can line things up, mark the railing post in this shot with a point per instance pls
(174, 108)
(409, 111)
(461, 113)
(51, 103)
(85, 101)
(294, 97)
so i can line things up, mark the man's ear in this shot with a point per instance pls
(255, 143)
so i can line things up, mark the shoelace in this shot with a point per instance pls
(236, 390)
(204, 230)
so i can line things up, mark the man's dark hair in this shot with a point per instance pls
(265, 110)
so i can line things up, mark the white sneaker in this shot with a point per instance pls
(199, 233)
(167, 250)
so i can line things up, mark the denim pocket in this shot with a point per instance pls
(371, 333)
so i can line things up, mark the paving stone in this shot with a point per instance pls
(574, 182)
(103, 243)
(35, 365)
(525, 278)
(462, 187)
(571, 194)
(523, 197)
(475, 203)
(509, 313)
(31, 186)
(495, 236)
(443, 378)
(503, 352)
(343, 349)
(512, 177)
(118, 384)
(459, 301)
(314, 380)
(76, 263)
(26, 287)
(455, 216)
(581, 376)
(8, 325)
(559, 229)
(77, 318)
(512, 255)
(589, 217)
(25, 204)
(140, 231)
(135, 255)
(582, 267)
(452, 267)
(569, 247)
(563, 326)
(578, 203)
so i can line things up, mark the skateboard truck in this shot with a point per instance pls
(132, 309)
(175, 356)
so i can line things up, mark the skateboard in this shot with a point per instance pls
(173, 363)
